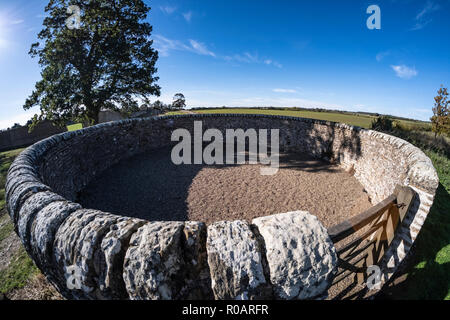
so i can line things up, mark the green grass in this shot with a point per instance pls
(21, 267)
(6, 158)
(428, 275)
(352, 119)
(413, 126)
(6, 227)
(425, 140)
(173, 113)
(16, 275)
(355, 119)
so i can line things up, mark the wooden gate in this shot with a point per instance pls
(362, 240)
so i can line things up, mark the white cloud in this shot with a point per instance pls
(274, 63)
(282, 102)
(247, 57)
(380, 56)
(21, 119)
(8, 23)
(420, 25)
(165, 45)
(200, 48)
(3, 32)
(187, 16)
(209, 97)
(280, 90)
(19, 21)
(168, 9)
(423, 110)
(404, 72)
(429, 8)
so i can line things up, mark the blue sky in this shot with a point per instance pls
(268, 53)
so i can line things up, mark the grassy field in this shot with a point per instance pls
(355, 120)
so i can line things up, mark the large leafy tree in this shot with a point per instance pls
(441, 113)
(179, 101)
(94, 55)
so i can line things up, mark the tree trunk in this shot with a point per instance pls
(95, 117)
(92, 113)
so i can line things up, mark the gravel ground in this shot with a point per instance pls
(150, 186)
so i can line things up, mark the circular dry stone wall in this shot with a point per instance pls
(89, 254)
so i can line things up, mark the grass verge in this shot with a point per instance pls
(21, 268)
(16, 275)
(428, 271)
(6, 227)
(6, 158)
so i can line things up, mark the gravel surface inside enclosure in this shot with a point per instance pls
(151, 187)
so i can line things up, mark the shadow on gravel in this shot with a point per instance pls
(297, 161)
(139, 187)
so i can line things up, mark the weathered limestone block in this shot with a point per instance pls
(110, 258)
(28, 211)
(22, 191)
(64, 244)
(17, 176)
(197, 277)
(423, 174)
(301, 256)
(21, 164)
(153, 262)
(75, 243)
(45, 226)
(235, 261)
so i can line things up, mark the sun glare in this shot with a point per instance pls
(3, 31)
